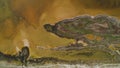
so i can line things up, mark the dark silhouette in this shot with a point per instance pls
(23, 55)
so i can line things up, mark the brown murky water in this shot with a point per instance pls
(36, 13)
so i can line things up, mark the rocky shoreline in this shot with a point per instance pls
(49, 60)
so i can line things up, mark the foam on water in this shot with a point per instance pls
(3, 65)
(17, 49)
(26, 42)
